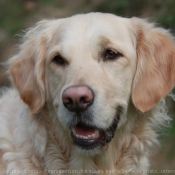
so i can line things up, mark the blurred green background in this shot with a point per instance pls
(18, 15)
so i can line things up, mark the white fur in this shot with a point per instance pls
(37, 141)
(26, 144)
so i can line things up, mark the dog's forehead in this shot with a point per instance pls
(89, 34)
(92, 27)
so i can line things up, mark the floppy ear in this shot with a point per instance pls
(27, 68)
(155, 72)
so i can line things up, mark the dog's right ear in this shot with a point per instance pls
(27, 67)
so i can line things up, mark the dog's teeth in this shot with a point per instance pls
(93, 136)
(96, 133)
(89, 136)
(78, 136)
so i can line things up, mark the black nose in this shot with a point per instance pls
(77, 98)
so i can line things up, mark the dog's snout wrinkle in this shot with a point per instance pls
(77, 98)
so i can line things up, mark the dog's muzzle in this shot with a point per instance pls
(77, 99)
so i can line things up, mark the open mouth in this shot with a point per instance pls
(88, 138)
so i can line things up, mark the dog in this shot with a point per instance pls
(88, 98)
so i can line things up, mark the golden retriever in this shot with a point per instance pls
(88, 97)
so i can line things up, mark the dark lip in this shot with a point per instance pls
(105, 136)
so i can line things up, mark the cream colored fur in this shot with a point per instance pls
(34, 137)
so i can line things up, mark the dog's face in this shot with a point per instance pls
(88, 67)
(85, 63)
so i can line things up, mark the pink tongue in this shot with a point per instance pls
(83, 130)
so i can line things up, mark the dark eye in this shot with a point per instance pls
(111, 55)
(59, 60)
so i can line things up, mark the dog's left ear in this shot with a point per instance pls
(27, 68)
(155, 72)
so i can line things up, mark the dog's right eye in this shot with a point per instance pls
(59, 60)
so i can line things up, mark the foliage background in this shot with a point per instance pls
(18, 15)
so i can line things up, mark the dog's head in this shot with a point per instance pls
(88, 67)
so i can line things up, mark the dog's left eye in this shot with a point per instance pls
(111, 55)
(59, 60)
